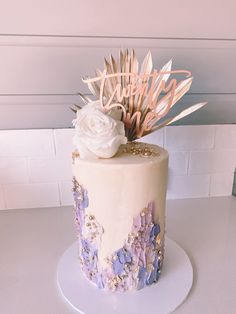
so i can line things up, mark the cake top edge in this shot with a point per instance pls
(134, 153)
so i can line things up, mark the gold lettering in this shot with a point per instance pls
(137, 88)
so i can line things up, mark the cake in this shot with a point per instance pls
(120, 216)
(119, 183)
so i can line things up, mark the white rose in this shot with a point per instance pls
(97, 134)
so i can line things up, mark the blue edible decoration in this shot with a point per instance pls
(135, 265)
(118, 267)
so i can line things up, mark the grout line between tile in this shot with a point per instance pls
(164, 137)
(59, 193)
(214, 139)
(188, 163)
(4, 198)
(54, 142)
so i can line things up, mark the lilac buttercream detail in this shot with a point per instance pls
(135, 265)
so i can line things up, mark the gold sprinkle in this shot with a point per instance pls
(91, 217)
(127, 265)
(118, 279)
(147, 153)
(108, 260)
(150, 267)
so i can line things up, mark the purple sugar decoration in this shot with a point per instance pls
(118, 267)
(135, 265)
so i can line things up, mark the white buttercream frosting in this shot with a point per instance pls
(97, 134)
(119, 188)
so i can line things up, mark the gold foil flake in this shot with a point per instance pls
(150, 267)
(158, 240)
(115, 280)
(140, 149)
(144, 212)
(77, 188)
(74, 156)
(108, 261)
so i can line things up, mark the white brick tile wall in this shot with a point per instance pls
(187, 138)
(63, 142)
(212, 161)
(49, 169)
(2, 202)
(178, 163)
(31, 195)
(225, 136)
(221, 184)
(156, 138)
(66, 197)
(13, 170)
(35, 165)
(26, 143)
(188, 186)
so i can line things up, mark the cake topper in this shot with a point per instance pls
(140, 98)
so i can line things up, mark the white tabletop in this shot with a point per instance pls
(32, 241)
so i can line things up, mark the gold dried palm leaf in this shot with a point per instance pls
(128, 74)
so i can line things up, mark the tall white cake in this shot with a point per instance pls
(120, 216)
(120, 184)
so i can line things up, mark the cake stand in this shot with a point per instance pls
(164, 297)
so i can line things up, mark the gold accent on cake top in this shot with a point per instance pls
(75, 155)
(140, 149)
(136, 149)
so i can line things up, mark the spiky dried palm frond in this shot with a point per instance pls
(85, 100)
(138, 105)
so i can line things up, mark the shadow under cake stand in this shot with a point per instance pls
(164, 297)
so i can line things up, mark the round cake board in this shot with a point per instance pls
(164, 297)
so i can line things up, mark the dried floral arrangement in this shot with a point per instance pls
(139, 96)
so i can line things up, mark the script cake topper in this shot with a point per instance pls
(141, 99)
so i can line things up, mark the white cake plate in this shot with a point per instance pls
(164, 297)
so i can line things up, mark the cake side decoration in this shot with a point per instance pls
(135, 265)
